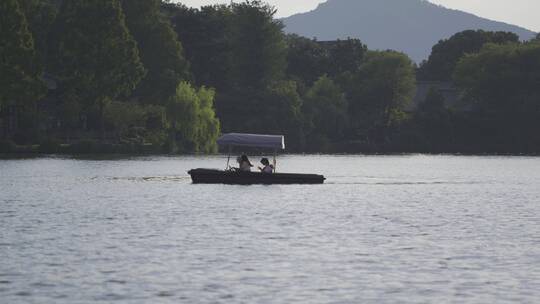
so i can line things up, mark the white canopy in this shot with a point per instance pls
(252, 140)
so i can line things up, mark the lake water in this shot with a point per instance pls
(383, 229)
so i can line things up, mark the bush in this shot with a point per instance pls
(7, 146)
(85, 146)
(49, 146)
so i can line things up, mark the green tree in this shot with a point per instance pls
(502, 82)
(204, 34)
(159, 50)
(136, 123)
(41, 15)
(281, 113)
(435, 122)
(96, 57)
(310, 59)
(259, 49)
(258, 58)
(239, 49)
(346, 56)
(325, 110)
(380, 91)
(433, 102)
(208, 124)
(182, 110)
(446, 54)
(307, 60)
(19, 71)
(193, 125)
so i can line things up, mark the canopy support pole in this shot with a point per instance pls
(275, 152)
(228, 157)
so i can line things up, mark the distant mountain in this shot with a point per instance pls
(410, 26)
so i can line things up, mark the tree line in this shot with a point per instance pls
(498, 78)
(118, 71)
(160, 74)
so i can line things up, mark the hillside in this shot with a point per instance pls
(411, 26)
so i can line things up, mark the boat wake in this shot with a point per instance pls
(419, 183)
(153, 179)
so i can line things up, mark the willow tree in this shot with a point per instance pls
(193, 124)
(97, 58)
(19, 72)
(208, 124)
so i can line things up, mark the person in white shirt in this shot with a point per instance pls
(268, 168)
(245, 165)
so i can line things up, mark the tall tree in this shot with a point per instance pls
(19, 71)
(204, 35)
(434, 121)
(97, 58)
(159, 49)
(281, 112)
(380, 91)
(209, 125)
(194, 126)
(325, 109)
(502, 82)
(307, 60)
(257, 59)
(239, 49)
(346, 56)
(446, 54)
(40, 15)
(259, 49)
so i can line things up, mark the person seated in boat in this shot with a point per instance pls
(268, 168)
(245, 164)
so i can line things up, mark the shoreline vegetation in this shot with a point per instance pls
(155, 77)
(88, 147)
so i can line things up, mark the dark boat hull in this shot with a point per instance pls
(208, 176)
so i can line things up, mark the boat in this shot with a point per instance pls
(232, 176)
(211, 176)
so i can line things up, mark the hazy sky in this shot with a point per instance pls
(525, 13)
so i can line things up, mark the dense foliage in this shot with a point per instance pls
(446, 54)
(193, 124)
(152, 75)
(503, 81)
(325, 111)
(160, 51)
(96, 58)
(380, 91)
(19, 69)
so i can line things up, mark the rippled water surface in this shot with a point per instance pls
(383, 229)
